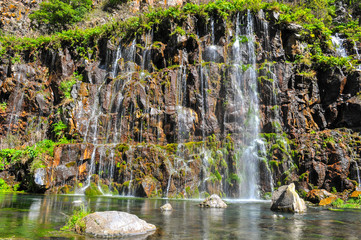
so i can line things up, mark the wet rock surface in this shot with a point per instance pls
(317, 195)
(155, 107)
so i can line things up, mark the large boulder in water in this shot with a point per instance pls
(213, 201)
(286, 199)
(115, 224)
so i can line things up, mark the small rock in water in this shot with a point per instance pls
(166, 207)
(286, 199)
(115, 224)
(278, 216)
(213, 201)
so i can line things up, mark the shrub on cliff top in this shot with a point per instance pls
(57, 14)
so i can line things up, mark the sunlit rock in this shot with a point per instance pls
(166, 207)
(327, 201)
(355, 194)
(287, 200)
(316, 195)
(115, 224)
(213, 201)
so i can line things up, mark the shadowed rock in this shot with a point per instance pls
(287, 200)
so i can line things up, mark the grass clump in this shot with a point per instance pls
(350, 203)
(75, 221)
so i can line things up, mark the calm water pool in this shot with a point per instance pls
(40, 217)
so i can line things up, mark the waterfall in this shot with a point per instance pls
(118, 56)
(131, 175)
(16, 109)
(358, 57)
(91, 120)
(358, 176)
(338, 43)
(245, 85)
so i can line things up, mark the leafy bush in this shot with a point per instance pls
(75, 221)
(59, 129)
(67, 85)
(4, 187)
(10, 156)
(34, 153)
(59, 13)
(3, 106)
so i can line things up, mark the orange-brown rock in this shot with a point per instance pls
(149, 185)
(317, 195)
(355, 194)
(327, 201)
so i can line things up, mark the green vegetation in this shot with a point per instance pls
(75, 221)
(67, 85)
(59, 14)
(59, 129)
(34, 154)
(310, 16)
(3, 106)
(315, 17)
(4, 187)
(351, 203)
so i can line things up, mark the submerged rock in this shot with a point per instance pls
(286, 199)
(316, 195)
(213, 201)
(115, 224)
(166, 207)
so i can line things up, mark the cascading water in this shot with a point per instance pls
(358, 176)
(245, 86)
(103, 126)
(118, 56)
(338, 43)
(16, 108)
(101, 140)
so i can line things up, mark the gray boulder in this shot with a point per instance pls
(166, 207)
(213, 201)
(287, 200)
(115, 224)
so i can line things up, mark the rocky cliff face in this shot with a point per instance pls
(189, 107)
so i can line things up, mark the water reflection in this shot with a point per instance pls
(38, 217)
